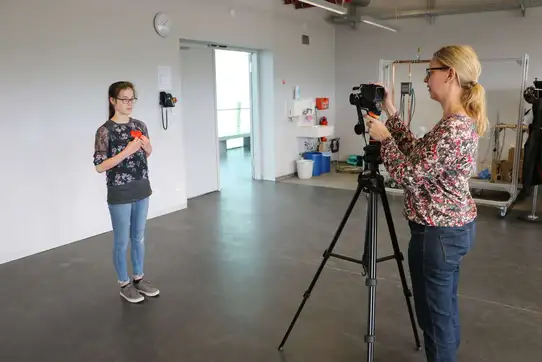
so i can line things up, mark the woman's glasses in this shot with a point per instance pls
(429, 70)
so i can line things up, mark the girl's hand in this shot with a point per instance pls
(146, 145)
(145, 141)
(133, 146)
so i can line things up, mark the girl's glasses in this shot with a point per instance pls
(127, 101)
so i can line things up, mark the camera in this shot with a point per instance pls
(368, 97)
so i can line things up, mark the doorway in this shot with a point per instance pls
(221, 109)
(234, 116)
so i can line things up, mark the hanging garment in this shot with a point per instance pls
(532, 165)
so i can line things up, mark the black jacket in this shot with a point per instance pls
(532, 164)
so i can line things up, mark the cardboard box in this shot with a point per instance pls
(507, 169)
(496, 171)
(512, 152)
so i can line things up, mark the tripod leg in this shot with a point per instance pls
(399, 258)
(371, 275)
(365, 260)
(326, 256)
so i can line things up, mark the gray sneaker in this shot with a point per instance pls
(144, 287)
(131, 294)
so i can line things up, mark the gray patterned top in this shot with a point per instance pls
(129, 180)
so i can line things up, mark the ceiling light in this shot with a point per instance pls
(326, 6)
(379, 25)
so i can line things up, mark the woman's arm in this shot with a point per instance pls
(404, 138)
(431, 159)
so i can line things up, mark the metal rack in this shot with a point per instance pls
(387, 76)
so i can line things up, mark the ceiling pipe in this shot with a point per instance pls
(352, 12)
(421, 13)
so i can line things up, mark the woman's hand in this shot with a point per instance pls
(377, 130)
(387, 102)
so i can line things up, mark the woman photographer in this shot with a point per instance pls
(434, 172)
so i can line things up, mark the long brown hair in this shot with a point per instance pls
(114, 91)
(467, 66)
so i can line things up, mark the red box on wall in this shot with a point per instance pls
(322, 103)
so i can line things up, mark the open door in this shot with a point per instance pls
(199, 121)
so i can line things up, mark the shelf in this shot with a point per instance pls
(314, 131)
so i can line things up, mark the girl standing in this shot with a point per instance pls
(122, 147)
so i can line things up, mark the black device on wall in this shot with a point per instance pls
(166, 101)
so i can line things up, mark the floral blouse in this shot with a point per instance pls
(434, 170)
(129, 180)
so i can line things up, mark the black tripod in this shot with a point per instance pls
(371, 182)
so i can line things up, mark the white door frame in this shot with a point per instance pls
(256, 119)
(255, 127)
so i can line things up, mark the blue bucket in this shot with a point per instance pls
(326, 162)
(317, 158)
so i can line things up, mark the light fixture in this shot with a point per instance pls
(326, 6)
(378, 25)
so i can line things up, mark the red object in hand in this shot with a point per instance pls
(136, 134)
(323, 139)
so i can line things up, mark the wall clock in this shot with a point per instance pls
(162, 24)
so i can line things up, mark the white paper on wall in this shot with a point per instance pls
(164, 78)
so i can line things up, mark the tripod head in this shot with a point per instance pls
(368, 98)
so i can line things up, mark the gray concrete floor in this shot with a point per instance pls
(232, 269)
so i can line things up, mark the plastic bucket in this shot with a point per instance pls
(304, 169)
(317, 158)
(326, 162)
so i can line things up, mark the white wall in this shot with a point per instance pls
(58, 58)
(502, 34)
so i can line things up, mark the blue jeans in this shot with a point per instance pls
(434, 257)
(129, 222)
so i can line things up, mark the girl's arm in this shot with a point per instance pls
(146, 145)
(101, 147)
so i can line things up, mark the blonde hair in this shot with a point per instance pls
(464, 60)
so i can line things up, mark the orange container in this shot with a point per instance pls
(322, 103)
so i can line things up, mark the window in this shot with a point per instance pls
(233, 92)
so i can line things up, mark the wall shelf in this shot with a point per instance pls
(315, 131)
